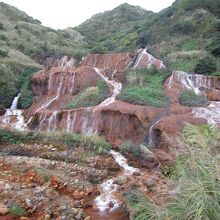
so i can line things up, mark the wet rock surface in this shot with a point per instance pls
(36, 177)
(49, 188)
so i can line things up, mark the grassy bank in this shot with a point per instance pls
(145, 87)
(96, 143)
(196, 174)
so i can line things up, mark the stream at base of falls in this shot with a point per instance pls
(108, 205)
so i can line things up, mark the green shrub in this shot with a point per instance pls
(27, 72)
(71, 140)
(142, 207)
(186, 27)
(96, 143)
(129, 148)
(12, 137)
(214, 47)
(17, 210)
(3, 53)
(1, 26)
(206, 65)
(24, 83)
(26, 97)
(189, 98)
(90, 96)
(145, 87)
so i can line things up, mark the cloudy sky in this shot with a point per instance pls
(69, 13)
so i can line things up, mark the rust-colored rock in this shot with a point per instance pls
(214, 95)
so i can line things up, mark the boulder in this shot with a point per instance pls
(121, 180)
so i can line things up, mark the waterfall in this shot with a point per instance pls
(108, 188)
(89, 123)
(195, 82)
(116, 89)
(52, 121)
(70, 122)
(66, 62)
(46, 104)
(58, 93)
(211, 113)
(14, 104)
(190, 81)
(151, 134)
(13, 111)
(71, 84)
(123, 162)
(150, 60)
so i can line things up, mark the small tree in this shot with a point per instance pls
(214, 47)
(206, 65)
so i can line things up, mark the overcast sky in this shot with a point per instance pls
(69, 13)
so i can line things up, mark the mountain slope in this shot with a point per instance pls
(103, 32)
(23, 40)
(179, 34)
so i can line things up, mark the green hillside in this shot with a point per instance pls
(113, 30)
(180, 34)
(23, 40)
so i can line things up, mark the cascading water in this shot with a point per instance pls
(70, 121)
(17, 113)
(146, 58)
(90, 120)
(190, 81)
(51, 121)
(116, 89)
(108, 188)
(211, 113)
(151, 140)
(14, 104)
(195, 82)
(58, 92)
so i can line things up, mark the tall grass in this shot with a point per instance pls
(71, 140)
(197, 177)
(90, 96)
(145, 87)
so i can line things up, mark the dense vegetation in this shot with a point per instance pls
(196, 176)
(180, 34)
(113, 30)
(24, 84)
(23, 40)
(90, 96)
(206, 65)
(145, 87)
(95, 143)
(189, 98)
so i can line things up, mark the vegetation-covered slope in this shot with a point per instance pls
(180, 34)
(22, 41)
(113, 30)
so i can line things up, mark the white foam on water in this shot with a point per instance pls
(150, 60)
(211, 113)
(108, 189)
(190, 81)
(19, 123)
(116, 89)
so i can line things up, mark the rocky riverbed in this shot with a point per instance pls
(49, 181)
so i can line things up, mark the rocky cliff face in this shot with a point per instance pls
(117, 121)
